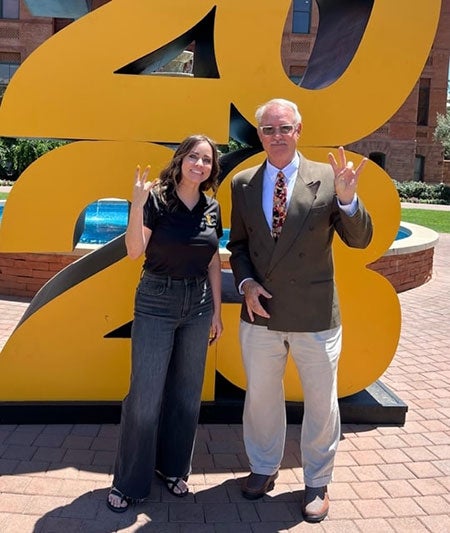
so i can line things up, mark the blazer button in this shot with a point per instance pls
(292, 281)
(301, 254)
(256, 254)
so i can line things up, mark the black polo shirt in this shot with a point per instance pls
(182, 242)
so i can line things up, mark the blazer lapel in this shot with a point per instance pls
(253, 202)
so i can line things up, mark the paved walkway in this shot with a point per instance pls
(54, 478)
(435, 207)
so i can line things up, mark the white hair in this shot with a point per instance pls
(281, 102)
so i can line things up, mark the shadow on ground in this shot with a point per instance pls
(199, 512)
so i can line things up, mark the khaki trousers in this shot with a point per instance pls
(316, 356)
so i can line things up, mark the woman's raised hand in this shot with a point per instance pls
(142, 187)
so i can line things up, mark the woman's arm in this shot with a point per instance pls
(137, 235)
(215, 280)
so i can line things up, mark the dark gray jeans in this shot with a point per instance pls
(159, 419)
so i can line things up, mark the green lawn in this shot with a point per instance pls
(3, 195)
(437, 220)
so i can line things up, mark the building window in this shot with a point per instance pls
(301, 17)
(9, 9)
(296, 74)
(419, 168)
(424, 102)
(379, 158)
(9, 63)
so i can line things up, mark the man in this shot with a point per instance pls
(282, 227)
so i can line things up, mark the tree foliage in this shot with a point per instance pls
(442, 132)
(232, 146)
(17, 154)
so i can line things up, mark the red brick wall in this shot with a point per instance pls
(406, 271)
(24, 274)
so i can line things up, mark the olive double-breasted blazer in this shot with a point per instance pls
(297, 270)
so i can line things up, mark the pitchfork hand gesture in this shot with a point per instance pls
(345, 176)
(142, 187)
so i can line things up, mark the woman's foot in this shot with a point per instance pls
(117, 501)
(175, 485)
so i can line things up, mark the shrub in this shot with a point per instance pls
(425, 193)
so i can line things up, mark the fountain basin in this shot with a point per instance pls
(408, 263)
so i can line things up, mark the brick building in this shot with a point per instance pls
(404, 146)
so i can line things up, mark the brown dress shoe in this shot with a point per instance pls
(255, 486)
(315, 504)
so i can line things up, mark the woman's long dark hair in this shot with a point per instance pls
(170, 176)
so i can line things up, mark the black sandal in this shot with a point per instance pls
(172, 483)
(116, 492)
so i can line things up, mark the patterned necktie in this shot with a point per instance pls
(279, 205)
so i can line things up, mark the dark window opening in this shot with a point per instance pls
(419, 168)
(379, 158)
(424, 102)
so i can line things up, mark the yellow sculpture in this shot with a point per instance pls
(84, 83)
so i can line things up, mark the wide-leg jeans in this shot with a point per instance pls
(169, 340)
(316, 356)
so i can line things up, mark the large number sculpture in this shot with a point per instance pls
(91, 83)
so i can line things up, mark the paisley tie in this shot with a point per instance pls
(279, 205)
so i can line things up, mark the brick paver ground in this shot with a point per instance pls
(54, 478)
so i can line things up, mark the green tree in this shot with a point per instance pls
(17, 154)
(442, 132)
(232, 146)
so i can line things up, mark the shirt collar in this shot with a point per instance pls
(289, 170)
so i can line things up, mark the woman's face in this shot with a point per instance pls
(197, 164)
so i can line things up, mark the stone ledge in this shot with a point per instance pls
(421, 238)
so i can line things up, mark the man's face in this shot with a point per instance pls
(280, 147)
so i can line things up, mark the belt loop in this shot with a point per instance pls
(169, 282)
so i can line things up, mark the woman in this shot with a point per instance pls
(176, 315)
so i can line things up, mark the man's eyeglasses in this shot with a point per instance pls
(284, 129)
